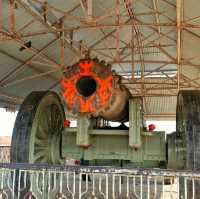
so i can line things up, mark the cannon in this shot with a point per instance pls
(90, 87)
(95, 95)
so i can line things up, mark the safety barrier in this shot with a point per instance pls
(44, 181)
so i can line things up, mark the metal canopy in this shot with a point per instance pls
(153, 44)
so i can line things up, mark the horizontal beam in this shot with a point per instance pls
(160, 116)
(139, 61)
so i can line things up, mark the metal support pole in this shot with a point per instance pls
(83, 137)
(12, 16)
(178, 10)
(135, 122)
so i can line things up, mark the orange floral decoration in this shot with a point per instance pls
(91, 104)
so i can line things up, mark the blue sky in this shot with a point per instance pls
(7, 120)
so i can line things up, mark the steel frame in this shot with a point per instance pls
(124, 52)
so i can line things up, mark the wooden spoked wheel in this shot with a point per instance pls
(37, 132)
(188, 131)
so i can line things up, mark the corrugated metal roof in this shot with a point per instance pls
(130, 35)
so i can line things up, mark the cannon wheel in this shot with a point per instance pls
(188, 129)
(37, 132)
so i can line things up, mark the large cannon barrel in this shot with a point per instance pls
(91, 87)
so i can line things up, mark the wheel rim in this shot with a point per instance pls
(180, 120)
(45, 137)
(180, 140)
(188, 119)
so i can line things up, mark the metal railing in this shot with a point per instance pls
(4, 154)
(42, 181)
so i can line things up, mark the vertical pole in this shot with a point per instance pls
(62, 45)
(178, 18)
(12, 16)
(132, 53)
(118, 30)
(135, 122)
(1, 14)
(83, 137)
(89, 9)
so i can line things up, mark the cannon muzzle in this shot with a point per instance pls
(90, 87)
(86, 86)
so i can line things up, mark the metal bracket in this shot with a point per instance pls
(135, 122)
(82, 136)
